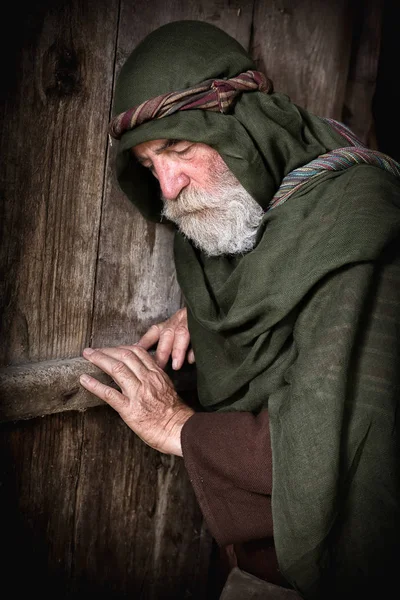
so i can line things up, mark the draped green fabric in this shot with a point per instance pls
(306, 325)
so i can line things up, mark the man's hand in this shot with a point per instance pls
(172, 339)
(148, 402)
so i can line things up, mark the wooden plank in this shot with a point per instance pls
(43, 388)
(99, 514)
(136, 284)
(304, 47)
(151, 542)
(361, 84)
(39, 468)
(52, 173)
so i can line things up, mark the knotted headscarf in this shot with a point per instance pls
(214, 94)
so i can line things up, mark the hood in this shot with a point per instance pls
(261, 139)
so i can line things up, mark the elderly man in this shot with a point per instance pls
(288, 258)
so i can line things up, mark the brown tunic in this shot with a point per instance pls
(228, 458)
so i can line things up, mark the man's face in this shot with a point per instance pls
(202, 196)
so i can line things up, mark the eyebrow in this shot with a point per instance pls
(167, 144)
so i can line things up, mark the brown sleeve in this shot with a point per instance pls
(228, 458)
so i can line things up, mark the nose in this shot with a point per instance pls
(171, 177)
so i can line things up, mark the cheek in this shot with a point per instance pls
(206, 167)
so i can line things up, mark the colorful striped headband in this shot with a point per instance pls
(214, 94)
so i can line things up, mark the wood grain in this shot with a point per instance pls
(43, 388)
(100, 515)
(39, 469)
(52, 178)
(363, 71)
(139, 532)
(304, 47)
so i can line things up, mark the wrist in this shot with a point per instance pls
(180, 419)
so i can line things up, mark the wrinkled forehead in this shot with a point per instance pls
(151, 146)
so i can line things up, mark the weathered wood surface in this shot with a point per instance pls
(52, 386)
(40, 463)
(156, 543)
(305, 48)
(52, 175)
(363, 70)
(98, 515)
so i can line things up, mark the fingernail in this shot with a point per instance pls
(175, 364)
(88, 351)
(84, 378)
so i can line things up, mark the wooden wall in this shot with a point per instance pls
(87, 508)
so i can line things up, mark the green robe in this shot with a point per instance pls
(306, 325)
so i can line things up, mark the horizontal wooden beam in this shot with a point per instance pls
(43, 388)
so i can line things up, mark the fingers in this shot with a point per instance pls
(150, 338)
(172, 338)
(173, 343)
(179, 342)
(164, 337)
(191, 357)
(164, 348)
(180, 346)
(113, 397)
(135, 357)
(117, 368)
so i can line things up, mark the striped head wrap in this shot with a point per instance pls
(213, 94)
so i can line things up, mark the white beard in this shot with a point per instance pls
(222, 222)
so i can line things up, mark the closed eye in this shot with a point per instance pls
(180, 149)
(183, 151)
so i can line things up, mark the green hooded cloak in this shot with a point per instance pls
(306, 324)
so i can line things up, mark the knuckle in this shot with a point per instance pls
(126, 353)
(96, 385)
(155, 327)
(162, 355)
(109, 393)
(118, 368)
(155, 379)
(167, 332)
(182, 330)
(138, 350)
(163, 351)
(182, 315)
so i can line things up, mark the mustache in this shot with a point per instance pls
(192, 200)
(189, 202)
